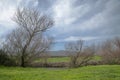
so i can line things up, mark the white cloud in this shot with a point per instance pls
(65, 13)
(8, 8)
(92, 23)
(7, 11)
(73, 38)
(106, 18)
(76, 38)
(35, 3)
(102, 19)
(61, 11)
(7, 14)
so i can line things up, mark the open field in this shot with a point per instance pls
(63, 59)
(103, 72)
(55, 59)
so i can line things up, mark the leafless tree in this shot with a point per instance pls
(44, 58)
(78, 55)
(117, 50)
(27, 41)
(111, 51)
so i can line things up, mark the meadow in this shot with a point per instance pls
(101, 72)
(54, 59)
(63, 59)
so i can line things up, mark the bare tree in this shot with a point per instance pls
(74, 50)
(111, 51)
(117, 50)
(78, 54)
(87, 55)
(44, 58)
(27, 41)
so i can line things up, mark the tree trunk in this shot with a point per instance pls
(23, 57)
(22, 61)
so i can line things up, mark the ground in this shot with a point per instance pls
(101, 72)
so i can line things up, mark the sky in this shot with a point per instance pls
(89, 20)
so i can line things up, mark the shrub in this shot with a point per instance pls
(111, 51)
(5, 59)
(79, 56)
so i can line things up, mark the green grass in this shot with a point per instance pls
(64, 59)
(55, 59)
(96, 58)
(103, 72)
(59, 59)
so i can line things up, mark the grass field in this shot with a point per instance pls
(64, 59)
(55, 59)
(103, 72)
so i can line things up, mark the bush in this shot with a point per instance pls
(5, 59)
(111, 51)
(79, 56)
(51, 65)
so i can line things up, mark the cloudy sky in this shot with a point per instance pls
(74, 19)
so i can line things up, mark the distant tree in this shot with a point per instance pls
(27, 41)
(44, 58)
(78, 55)
(111, 51)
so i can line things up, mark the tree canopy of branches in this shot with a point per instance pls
(111, 51)
(27, 41)
(78, 55)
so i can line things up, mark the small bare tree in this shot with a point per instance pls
(44, 58)
(117, 50)
(111, 51)
(77, 55)
(27, 41)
